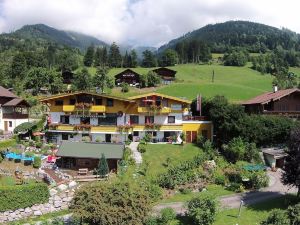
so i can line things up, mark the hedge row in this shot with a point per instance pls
(7, 143)
(15, 197)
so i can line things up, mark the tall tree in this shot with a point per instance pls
(114, 57)
(82, 80)
(98, 57)
(102, 80)
(149, 60)
(153, 79)
(291, 172)
(134, 60)
(104, 58)
(103, 169)
(18, 66)
(169, 58)
(89, 56)
(126, 62)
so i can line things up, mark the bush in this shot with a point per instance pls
(7, 143)
(235, 150)
(38, 144)
(186, 191)
(293, 213)
(155, 192)
(22, 196)
(202, 211)
(259, 180)
(111, 203)
(166, 215)
(124, 87)
(86, 139)
(220, 179)
(142, 148)
(37, 162)
(276, 217)
(152, 220)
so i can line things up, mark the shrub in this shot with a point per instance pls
(154, 191)
(103, 203)
(86, 139)
(22, 196)
(7, 143)
(37, 162)
(166, 215)
(38, 144)
(202, 211)
(259, 180)
(124, 87)
(103, 169)
(235, 150)
(293, 213)
(220, 179)
(142, 148)
(236, 187)
(152, 220)
(276, 217)
(147, 137)
(185, 191)
(31, 143)
(127, 142)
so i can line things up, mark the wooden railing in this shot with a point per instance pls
(194, 118)
(15, 116)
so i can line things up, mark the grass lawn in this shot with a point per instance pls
(213, 190)
(253, 214)
(157, 154)
(7, 181)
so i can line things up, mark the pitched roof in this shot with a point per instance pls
(164, 69)
(6, 93)
(270, 96)
(90, 150)
(15, 102)
(161, 95)
(127, 70)
(83, 92)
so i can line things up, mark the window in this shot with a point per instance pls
(149, 119)
(85, 120)
(72, 101)
(109, 102)
(135, 133)
(134, 119)
(109, 119)
(64, 137)
(171, 119)
(59, 102)
(98, 101)
(10, 123)
(65, 119)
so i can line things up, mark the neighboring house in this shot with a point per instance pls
(76, 155)
(13, 110)
(279, 102)
(110, 119)
(127, 76)
(167, 75)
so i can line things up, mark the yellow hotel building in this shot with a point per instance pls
(109, 119)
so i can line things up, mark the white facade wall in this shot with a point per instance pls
(159, 119)
(14, 123)
(55, 116)
(74, 120)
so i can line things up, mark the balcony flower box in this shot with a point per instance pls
(124, 128)
(152, 126)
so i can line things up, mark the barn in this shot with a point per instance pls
(167, 75)
(127, 76)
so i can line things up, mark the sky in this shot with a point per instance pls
(144, 22)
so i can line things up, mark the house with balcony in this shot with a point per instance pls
(110, 119)
(127, 76)
(167, 75)
(278, 102)
(13, 110)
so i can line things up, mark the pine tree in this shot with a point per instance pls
(114, 58)
(104, 58)
(102, 80)
(18, 66)
(126, 64)
(133, 59)
(89, 56)
(82, 80)
(149, 59)
(98, 57)
(103, 169)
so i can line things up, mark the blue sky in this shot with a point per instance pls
(143, 22)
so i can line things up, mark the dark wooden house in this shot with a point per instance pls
(279, 102)
(167, 75)
(127, 76)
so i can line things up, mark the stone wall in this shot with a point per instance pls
(60, 198)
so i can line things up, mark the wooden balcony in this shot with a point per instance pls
(15, 116)
(194, 118)
(92, 109)
(175, 127)
(163, 110)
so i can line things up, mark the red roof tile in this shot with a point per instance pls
(270, 96)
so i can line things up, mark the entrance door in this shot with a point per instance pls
(188, 136)
(5, 125)
(108, 138)
(194, 136)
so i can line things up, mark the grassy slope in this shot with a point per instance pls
(236, 83)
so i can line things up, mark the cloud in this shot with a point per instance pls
(142, 22)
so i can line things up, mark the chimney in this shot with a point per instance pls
(275, 88)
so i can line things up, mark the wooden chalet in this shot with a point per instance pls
(127, 76)
(279, 102)
(167, 75)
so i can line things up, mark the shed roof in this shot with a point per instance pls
(277, 153)
(270, 96)
(15, 102)
(90, 150)
(6, 93)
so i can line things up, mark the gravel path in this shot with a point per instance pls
(275, 189)
(135, 153)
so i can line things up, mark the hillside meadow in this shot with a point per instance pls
(236, 83)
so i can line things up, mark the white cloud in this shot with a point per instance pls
(143, 22)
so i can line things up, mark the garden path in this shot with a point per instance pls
(276, 188)
(135, 153)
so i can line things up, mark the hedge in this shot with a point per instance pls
(7, 143)
(16, 197)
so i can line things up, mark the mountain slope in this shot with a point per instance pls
(44, 33)
(253, 36)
